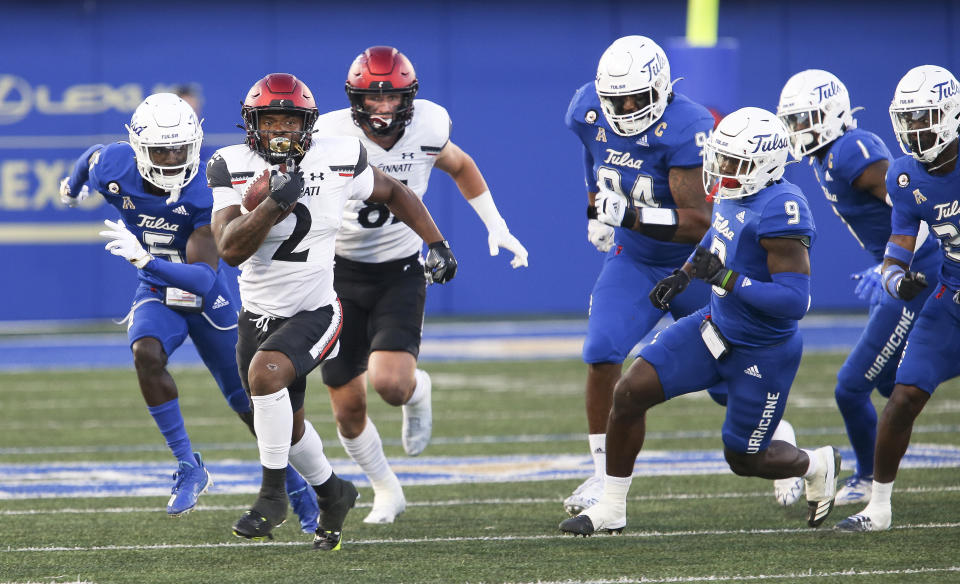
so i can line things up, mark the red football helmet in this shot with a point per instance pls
(380, 71)
(279, 93)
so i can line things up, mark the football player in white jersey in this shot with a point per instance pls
(378, 279)
(291, 318)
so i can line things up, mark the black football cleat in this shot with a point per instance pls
(333, 512)
(258, 521)
(579, 525)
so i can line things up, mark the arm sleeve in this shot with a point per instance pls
(197, 278)
(787, 296)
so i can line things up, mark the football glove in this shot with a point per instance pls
(709, 267)
(910, 285)
(440, 265)
(68, 198)
(611, 208)
(667, 288)
(285, 187)
(501, 237)
(600, 235)
(869, 284)
(125, 244)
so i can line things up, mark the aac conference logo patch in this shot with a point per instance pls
(591, 116)
(903, 180)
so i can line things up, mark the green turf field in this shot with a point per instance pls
(696, 528)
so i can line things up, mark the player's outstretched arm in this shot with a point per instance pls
(440, 263)
(73, 188)
(465, 173)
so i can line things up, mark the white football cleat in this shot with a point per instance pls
(585, 496)
(387, 505)
(788, 491)
(855, 489)
(822, 485)
(418, 418)
(870, 519)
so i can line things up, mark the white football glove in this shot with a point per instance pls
(600, 235)
(610, 207)
(67, 198)
(501, 237)
(125, 244)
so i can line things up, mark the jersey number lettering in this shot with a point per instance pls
(285, 252)
(949, 236)
(379, 212)
(641, 194)
(158, 244)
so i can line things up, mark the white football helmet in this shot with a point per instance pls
(815, 107)
(166, 136)
(746, 152)
(633, 84)
(926, 111)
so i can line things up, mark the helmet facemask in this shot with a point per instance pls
(166, 137)
(923, 133)
(386, 123)
(284, 144)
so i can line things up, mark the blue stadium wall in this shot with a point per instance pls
(72, 72)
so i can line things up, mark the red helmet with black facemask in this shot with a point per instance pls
(381, 71)
(279, 93)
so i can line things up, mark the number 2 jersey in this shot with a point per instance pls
(369, 232)
(638, 167)
(292, 270)
(163, 224)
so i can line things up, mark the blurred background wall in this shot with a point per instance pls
(71, 74)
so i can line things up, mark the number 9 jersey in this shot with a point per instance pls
(292, 270)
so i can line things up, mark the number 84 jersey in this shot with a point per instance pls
(370, 233)
(292, 270)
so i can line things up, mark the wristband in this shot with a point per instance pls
(656, 223)
(891, 277)
(901, 254)
(487, 210)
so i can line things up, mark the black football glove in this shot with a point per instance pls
(440, 265)
(667, 288)
(910, 285)
(709, 267)
(285, 187)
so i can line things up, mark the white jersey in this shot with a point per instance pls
(292, 271)
(369, 232)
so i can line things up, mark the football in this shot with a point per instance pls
(258, 189)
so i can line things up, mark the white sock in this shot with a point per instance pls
(814, 463)
(881, 495)
(598, 450)
(367, 451)
(273, 422)
(615, 489)
(419, 375)
(308, 458)
(785, 432)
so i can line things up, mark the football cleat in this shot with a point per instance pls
(585, 496)
(855, 489)
(191, 481)
(333, 512)
(258, 521)
(866, 520)
(418, 418)
(304, 503)
(600, 517)
(788, 491)
(822, 485)
(387, 505)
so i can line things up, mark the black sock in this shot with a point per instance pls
(273, 483)
(330, 488)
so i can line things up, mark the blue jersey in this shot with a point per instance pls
(867, 217)
(162, 227)
(638, 166)
(780, 210)
(919, 196)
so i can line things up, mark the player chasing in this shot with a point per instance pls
(923, 187)
(164, 231)
(850, 164)
(377, 267)
(291, 319)
(641, 146)
(756, 257)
